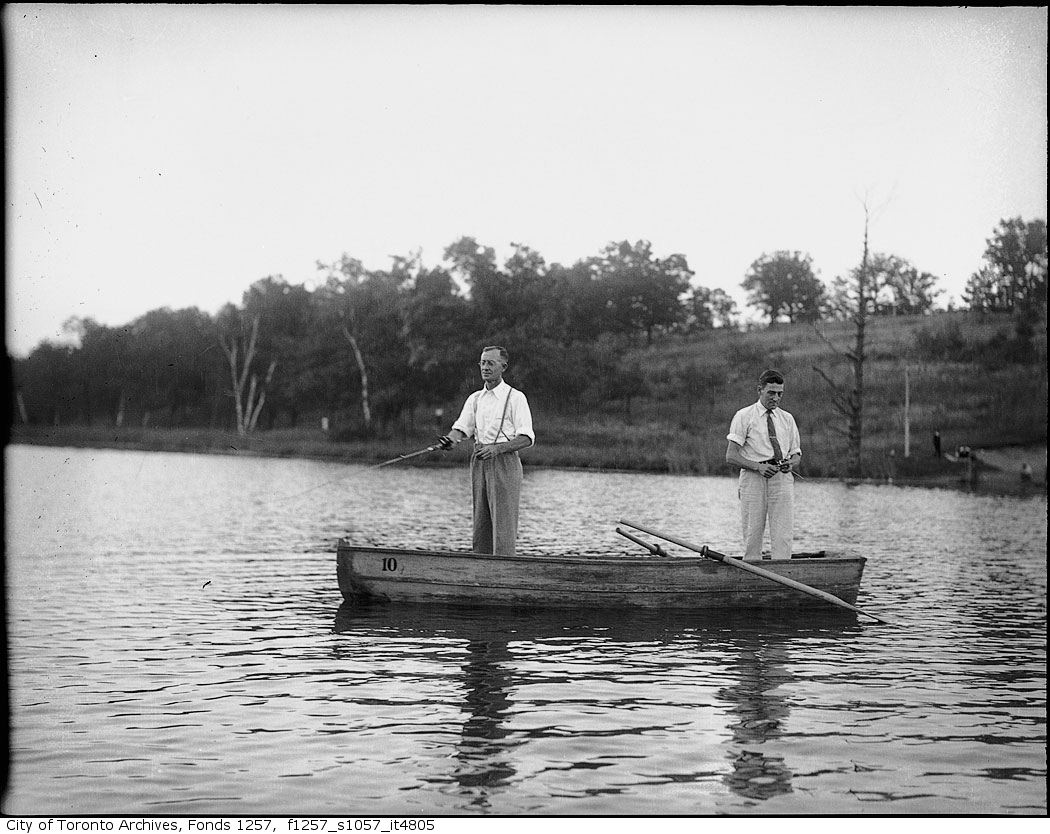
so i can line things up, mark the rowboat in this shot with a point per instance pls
(396, 575)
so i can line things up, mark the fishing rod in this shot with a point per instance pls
(399, 458)
(784, 465)
(432, 448)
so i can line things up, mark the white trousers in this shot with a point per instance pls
(763, 499)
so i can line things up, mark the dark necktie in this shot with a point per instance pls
(777, 453)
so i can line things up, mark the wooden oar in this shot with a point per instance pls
(746, 566)
(400, 458)
(655, 549)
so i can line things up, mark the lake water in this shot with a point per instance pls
(177, 644)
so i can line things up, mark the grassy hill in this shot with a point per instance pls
(965, 383)
(961, 385)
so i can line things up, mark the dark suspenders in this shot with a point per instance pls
(503, 417)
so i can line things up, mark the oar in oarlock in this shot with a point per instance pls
(707, 552)
(655, 549)
(400, 458)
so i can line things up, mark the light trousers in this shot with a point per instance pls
(496, 487)
(763, 500)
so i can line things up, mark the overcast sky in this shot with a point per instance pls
(172, 155)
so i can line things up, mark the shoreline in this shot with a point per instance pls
(988, 478)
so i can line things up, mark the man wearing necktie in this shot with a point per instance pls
(764, 442)
(499, 420)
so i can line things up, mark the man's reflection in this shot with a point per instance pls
(760, 712)
(481, 753)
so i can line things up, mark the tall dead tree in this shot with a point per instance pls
(850, 403)
(240, 351)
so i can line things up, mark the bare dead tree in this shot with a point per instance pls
(240, 352)
(850, 403)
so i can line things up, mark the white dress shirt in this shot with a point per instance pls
(484, 409)
(749, 430)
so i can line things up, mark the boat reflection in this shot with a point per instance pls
(746, 653)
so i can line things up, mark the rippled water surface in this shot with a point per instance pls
(177, 645)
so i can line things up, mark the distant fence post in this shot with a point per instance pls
(907, 413)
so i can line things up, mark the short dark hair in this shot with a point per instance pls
(770, 375)
(502, 352)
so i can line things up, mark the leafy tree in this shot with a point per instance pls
(47, 381)
(166, 361)
(912, 291)
(528, 289)
(643, 293)
(287, 340)
(894, 287)
(1013, 276)
(471, 261)
(784, 285)
(578, 306)
(100, 365)
(436, 317)
(512, 299)
(162, 361)
(707, 308)
(363, 309)
(723, 309)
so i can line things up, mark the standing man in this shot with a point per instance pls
(499, 420)
(765, 444)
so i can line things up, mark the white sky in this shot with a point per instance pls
(172, 155)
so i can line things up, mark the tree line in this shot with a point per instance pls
(372, 348)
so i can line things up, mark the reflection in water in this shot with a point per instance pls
(482, 751)
(171, 651)
(746, 674)
(760, 712)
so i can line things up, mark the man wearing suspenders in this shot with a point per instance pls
(499, 420)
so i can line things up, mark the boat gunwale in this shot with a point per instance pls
(345, 545)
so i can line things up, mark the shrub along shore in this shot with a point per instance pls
(625, 452)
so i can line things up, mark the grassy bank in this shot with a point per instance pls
(677, 421)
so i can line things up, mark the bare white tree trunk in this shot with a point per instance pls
(248, 408)
(366, 409)
(254, 411)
